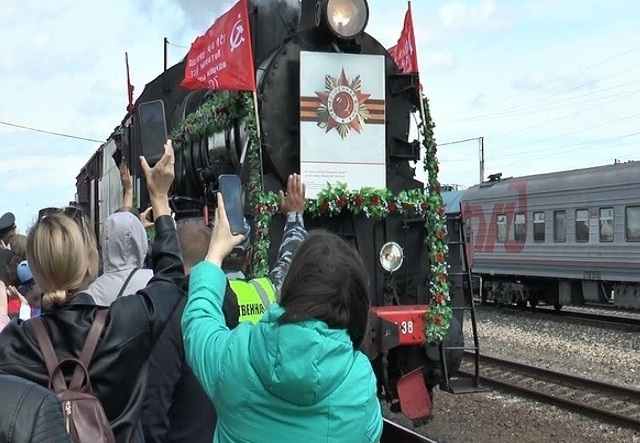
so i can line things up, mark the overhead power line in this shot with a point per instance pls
(555, 81)
(59, 134)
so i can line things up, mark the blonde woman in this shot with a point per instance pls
(63, 258)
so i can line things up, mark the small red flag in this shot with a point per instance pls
(404, 52)
(222, 58)
(129, 85)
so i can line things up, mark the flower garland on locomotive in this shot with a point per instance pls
(399, 229)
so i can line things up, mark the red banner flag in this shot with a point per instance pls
(404, 52)
(222, 58)
(129, 86)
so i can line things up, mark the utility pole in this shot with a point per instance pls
(166, 44)
(480, 151)
(481, 146)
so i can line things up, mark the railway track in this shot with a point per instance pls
(604, 401)
(627, 322)
(395, 433)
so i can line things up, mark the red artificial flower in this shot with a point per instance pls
(251, 187)
(442, 278)
(438, 188)
(437, 320)
(259, 208)
(439, 299)
(437, 168)
(424, 206)
(439, 257)
(324, 206)
(408, 207)
(391, 207)
(358, 201)
(441, 210)
(441, 235)
(342, 201)
(375, 201)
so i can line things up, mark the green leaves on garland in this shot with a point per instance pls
(437, 318)
(223, 109)
(216, 114)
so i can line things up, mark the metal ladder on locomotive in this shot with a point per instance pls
(451, 383)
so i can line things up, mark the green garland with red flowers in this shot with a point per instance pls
(220, 113)
(437, 317)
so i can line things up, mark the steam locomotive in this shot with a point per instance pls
(285, 37)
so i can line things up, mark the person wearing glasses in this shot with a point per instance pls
(63, 258)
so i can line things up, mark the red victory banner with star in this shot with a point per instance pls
(222, 58)
(342, 120)
(404, 52)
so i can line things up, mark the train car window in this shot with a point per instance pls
(501, 230)
(632, 223)
(559, 226)
(582, 225)
(520, 228)
(538, 226)
(606, 224)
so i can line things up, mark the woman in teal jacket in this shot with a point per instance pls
(297, 375)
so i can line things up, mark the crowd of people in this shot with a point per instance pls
(97, 346)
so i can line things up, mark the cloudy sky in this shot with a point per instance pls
(549, 84)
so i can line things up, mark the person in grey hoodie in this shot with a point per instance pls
(123, 252)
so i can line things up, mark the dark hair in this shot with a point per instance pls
(194, 236)
(327, 281)
(18, 244)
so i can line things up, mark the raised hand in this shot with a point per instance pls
(125, 177)
(4, 301)
(222, 240)
(145, 218)
(294, 199)
(160, 177)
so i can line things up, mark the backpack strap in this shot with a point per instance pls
(89, 348)
(126, 282)
(56, 379)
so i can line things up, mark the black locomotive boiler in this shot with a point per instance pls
(281, 32)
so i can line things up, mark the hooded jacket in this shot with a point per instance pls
(124, 250)
(300, 382)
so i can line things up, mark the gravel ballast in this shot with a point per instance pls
(491, 417)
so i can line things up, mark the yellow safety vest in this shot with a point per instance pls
(254, 297)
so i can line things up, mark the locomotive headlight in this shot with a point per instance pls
(391, 256)
(345, 18)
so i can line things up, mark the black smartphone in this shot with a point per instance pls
(231, 188)
(153, 129)
(117, 157)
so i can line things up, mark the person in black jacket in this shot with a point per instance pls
(63, 258)
(29, 413)
(176, 408)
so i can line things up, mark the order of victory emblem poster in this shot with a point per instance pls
(342, 120)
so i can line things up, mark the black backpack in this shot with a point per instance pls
(84, 416)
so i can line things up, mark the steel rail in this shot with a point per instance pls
(394, 433)
(626, 324)
(577, 384)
